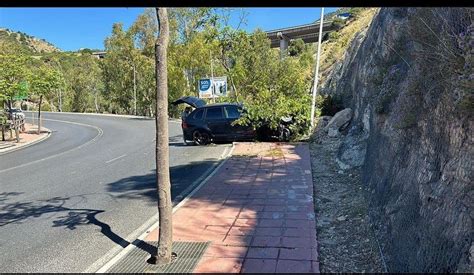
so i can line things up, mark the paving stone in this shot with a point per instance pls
(266, 241)
(298, 253)
(292, 266)
(262, 253)
(219, 265)
(259, 266)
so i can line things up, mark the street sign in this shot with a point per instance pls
(22, 92)
(213, 87)
(220, 86)
(205, 88)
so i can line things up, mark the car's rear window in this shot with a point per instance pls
(198, 114)
(232, 112)
(214, 113)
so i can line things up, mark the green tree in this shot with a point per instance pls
(13, 75)
(43, 81)
(120, 68)
(85, 84)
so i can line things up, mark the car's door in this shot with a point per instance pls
(217, 122)
(239, 132)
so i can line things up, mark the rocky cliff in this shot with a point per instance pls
(408, 78)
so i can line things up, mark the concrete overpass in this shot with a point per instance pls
(309, 33)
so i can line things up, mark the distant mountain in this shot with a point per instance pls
(25, 43)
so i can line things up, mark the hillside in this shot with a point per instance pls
(25, 43)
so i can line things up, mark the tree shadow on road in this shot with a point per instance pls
(144, 186)
(19, 212)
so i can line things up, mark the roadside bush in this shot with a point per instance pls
(338, 23)
(329, 105)
(296, 47)
(267, 108)
(3, 117)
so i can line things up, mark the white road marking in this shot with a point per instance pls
(109, 161)
(99, 134)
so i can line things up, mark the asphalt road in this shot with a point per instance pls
(67, 201)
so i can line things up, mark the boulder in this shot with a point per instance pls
(340, 120)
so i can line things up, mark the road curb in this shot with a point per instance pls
(108, 264)
(109, 115)
(28, 144)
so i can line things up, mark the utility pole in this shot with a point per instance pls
(64, 85)
(212, 79)
(135, 88)
(315, 84)
(60, 101)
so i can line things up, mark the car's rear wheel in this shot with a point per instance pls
(201, 137)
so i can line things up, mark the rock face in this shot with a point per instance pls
(409, 81)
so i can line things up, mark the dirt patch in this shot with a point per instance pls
(346, 240)
(275, 152)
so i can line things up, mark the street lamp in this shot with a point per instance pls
(315, 85)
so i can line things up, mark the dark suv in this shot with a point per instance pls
(213, 122)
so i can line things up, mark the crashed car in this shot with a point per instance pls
(213, 122)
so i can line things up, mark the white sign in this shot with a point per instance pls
(219, 85)
(205, 89)
(213, 87)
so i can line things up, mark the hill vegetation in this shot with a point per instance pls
(24, 43)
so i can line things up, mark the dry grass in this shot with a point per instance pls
(275, 152)
(334, 49)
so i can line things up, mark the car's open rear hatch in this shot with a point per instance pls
(190, 100)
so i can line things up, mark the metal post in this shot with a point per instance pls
(212, 80)
(60, 101)
(135, 88)
(315, 85)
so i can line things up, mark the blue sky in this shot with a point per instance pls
(74, 28)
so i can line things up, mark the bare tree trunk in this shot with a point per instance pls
(95, 101)
(39, 114)
(165, 237)
(135, 89)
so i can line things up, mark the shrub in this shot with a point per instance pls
(338, 23)
(3, 117)
(329, 105)
(296, 47)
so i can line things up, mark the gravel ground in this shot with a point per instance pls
(346, 241)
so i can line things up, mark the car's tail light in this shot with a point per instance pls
(184, 125)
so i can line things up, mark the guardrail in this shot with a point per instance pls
(16, 124)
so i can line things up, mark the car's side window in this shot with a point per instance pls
(214, 113)
(232, 112)
(199, 114)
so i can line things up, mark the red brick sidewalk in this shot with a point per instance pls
(257, 211)
(26, 138)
